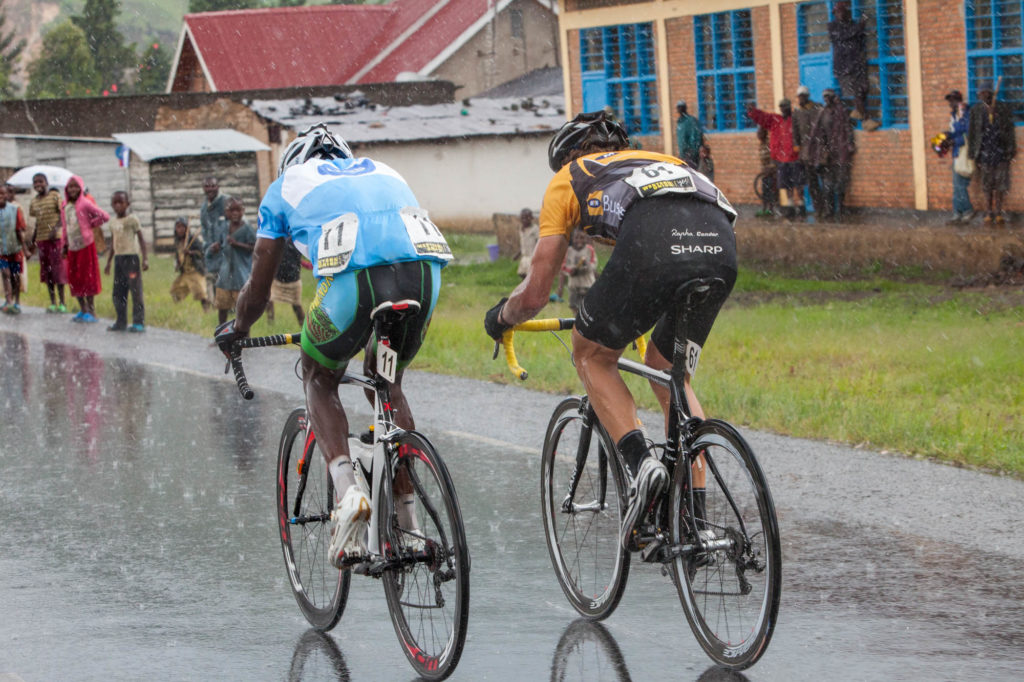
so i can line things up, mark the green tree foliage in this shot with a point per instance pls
(10, 50)
(64, 67)
(110, 55)
(219, 5)
(154, 68)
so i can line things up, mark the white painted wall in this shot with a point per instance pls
(471, 179)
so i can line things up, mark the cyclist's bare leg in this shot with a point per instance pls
(326, 414)
(608, 393)
(656, 360)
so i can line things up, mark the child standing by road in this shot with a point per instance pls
(80, 217)
(127, 244)
(190, 265)
(580, 267)
(12, 246)
(45, 208)
(236, 246)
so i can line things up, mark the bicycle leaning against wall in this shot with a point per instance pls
(714, 527)
(421, 555)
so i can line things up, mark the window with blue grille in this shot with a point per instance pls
(887, 67)
(995, 50)
(725, 69)
(617, 65)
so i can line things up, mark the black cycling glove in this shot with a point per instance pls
(225, 337)
(492, 326)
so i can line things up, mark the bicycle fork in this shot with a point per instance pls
(588, 418)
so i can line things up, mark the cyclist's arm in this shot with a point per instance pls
(253, 298)
(532, 293)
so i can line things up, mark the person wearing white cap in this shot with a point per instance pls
(804, 114)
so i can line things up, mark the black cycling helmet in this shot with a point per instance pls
(593, 128)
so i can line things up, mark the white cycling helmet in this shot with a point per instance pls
(314, 142)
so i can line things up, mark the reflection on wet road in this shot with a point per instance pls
(138, 541)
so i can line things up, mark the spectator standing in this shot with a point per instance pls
(790, 172)
(12, 247)
(992, 144)
(190, 264)
(80, 218)
(769, 188)
(529, 233)
(127, 243)
(45, 208)
(689, 135)
(832, 151)
(850, 59)
(705, 163)
(963, 211)
(211, 215)
(580, 268)
(803, 119)
(235, 247)
(287, 284)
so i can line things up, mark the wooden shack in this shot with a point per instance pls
(167, 170)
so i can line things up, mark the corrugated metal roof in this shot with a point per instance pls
(361, 122)
(172, 143)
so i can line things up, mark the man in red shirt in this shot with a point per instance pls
(790, 172)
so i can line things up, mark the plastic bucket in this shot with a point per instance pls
(492, 251)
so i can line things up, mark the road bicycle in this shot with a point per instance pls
(721, 542)
(423, 561)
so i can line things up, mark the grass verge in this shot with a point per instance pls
(913, 368)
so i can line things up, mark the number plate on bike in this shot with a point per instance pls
(387, 362)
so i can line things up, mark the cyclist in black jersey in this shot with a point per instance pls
(669, 224)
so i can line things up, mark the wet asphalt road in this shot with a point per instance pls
(137, 538)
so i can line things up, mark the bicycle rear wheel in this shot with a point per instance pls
(582, 533)
(305, 497)
(730, 592)
(427, 588)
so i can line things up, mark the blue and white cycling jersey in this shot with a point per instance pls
(349, 214)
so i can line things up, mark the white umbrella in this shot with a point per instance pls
(55, 175)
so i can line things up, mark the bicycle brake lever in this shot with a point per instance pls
(497, 345)
(227, 365)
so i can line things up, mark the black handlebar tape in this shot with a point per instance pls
(265, 341)
(236, 365)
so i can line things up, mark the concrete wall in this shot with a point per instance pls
(470, 180)
(497, 55)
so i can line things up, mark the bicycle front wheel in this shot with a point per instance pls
(582, 493)
(305, 496)
(730, 581)
(422, 537)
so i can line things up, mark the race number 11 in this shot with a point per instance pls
(387, 362)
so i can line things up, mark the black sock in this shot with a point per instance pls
(633, 447)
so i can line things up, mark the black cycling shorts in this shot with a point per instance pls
(338, 324)
(663, 243)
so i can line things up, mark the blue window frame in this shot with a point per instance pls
(887, 67)
(618, 70)
(995, 50)
(725, 69)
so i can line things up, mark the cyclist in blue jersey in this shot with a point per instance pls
(369, 241)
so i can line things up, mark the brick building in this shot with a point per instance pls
(641, 56)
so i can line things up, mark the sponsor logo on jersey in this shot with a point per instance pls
(426, 248)
(360, 167)
(679, 249)
(594, 203)
(613, 207)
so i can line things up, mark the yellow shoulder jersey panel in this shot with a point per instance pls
(560, 212)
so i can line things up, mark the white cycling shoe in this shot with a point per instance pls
(349, 522)
(651, 479)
